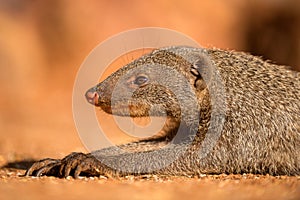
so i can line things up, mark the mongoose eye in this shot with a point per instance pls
(141, 80)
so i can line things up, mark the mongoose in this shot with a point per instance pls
(260, 131)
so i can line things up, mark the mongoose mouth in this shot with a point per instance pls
(125, 110)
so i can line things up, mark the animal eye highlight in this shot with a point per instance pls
(141, 80)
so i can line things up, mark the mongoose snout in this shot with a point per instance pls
(92, 97)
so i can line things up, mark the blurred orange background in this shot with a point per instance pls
(43, 43)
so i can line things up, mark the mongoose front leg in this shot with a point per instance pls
(115, 162)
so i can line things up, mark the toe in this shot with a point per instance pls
(45, 170)
(70, 163)
(77, 171)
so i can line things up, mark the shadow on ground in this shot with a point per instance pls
(23, 164)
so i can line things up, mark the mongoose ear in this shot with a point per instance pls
(201, 70)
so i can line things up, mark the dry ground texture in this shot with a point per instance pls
(247, 186)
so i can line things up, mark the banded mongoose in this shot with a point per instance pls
(260, 131)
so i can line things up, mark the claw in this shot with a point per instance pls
(77, 171)
(67, 167)
(67, 170)
(39, 165)
(46, 169)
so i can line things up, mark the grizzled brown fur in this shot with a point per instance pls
(260, 134)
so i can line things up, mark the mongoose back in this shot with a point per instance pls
(260, 133)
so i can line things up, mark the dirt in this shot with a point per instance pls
(14, 186)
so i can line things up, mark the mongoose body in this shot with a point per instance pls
(260, 124)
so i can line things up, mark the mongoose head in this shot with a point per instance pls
(150, 85)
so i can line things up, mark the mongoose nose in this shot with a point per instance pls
(92, 97)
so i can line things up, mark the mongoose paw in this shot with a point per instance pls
(74, 164)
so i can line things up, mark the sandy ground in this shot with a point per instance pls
(14, 186)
